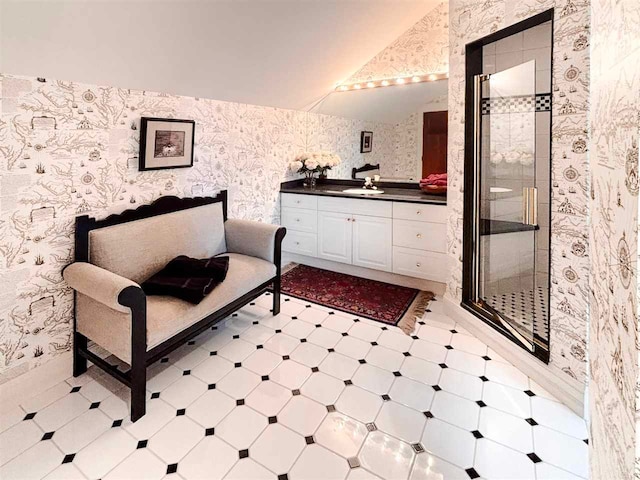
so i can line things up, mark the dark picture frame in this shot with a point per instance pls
(166, 143)
(366, 141)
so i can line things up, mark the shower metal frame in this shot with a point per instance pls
(471, 217)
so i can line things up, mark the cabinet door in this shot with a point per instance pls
(334, 236)
(372, 239)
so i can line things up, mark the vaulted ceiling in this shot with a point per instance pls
(282, 53)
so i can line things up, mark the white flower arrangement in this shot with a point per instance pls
(311, 162)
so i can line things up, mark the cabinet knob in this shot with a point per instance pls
(419, 235)
(297, 243)
(297, 201)
(297, 219)
(353, 219)
(418, 264)
(418, 212)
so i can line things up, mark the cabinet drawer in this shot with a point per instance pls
(420, 212)
(355, 206)
(301, 242)
(295, 200)
(420, 235)
(420, 264)
(299, 219)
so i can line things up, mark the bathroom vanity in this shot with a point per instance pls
(400, 231)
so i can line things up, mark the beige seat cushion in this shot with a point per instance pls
(167, 316)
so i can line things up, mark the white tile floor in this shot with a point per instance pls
(308, 394)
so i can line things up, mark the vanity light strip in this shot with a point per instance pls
(431, 77)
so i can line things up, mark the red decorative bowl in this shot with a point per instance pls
(434, 189)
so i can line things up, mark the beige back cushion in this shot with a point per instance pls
(136, 250)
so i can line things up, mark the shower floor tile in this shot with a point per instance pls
(438, 404)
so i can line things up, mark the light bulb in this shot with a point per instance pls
(400, 81)
(343, 87)
(415, 79)
(385, 83)
(371, 85)
(357, 86)
(432, 77)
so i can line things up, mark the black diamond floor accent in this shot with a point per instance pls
(180, 412)
(531, 422)
(255, 322)
(211, 386)
(259, 347)
(530, 393)
(443, 365)
(315, 369)
(348, 382)
(417, 447)
(353, 462)
(534, 458)
(436, 387)
(472, 473)
(486, 358)
(362, 361)
(265, 378)
(48, 436)
(303, 340)
(384, 328)
(484, 379)
(69, 458)
(406, 354)
(75, 389)
(330, 350)
(295, 392)
(345, 334)
(209, 431)
(164, 360)
(240, 402)
(285, 357)
(172, 468)
(375, 344)
(397, 374)
(237, 364)
(310, 440)
(235, 337)
(155, 395)
(94, 405)
(428, 414)
(386, 397)
(142, 444)
(332, 313)
(213, 354)
(278, 331)
(186, 372)
(294, 318)
(243, 453)
(283, 476)
(477, 434)
(116, 423)
(372, 427)
(273, 420)
(415, 337)
(331, 408)
(586, 440)
(448, 347)
(29, 416)
(481, 404)
(453, 330)
(191, 342)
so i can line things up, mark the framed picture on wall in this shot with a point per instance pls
(366, 141)
(166, 143)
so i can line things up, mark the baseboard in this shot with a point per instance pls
(35, 381)
(566, 389)
(388, 277)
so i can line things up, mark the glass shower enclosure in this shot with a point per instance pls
(507, 199)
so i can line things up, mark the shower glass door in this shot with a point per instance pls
(507, 200)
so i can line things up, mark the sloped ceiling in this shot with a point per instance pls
(282, 53)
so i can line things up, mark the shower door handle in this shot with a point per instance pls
(530, 206)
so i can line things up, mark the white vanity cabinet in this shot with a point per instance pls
(396, 237)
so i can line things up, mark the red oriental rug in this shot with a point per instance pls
(383, 302)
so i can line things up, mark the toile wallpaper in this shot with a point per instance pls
(613, 204)
(470, 20)
(68, 149)
(422, 49)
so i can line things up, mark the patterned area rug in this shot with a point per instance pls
(383, 302)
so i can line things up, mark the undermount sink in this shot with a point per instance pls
(362, 191)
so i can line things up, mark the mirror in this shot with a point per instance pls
(408, 125)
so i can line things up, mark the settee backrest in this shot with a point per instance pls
(138, 248)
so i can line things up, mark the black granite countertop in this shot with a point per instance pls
(493, 227)
(393, 192)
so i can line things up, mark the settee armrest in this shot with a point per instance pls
(261, 240)
(99, 284)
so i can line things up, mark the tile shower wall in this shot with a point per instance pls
(469, 21)
(613, 330)
(69, 149)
